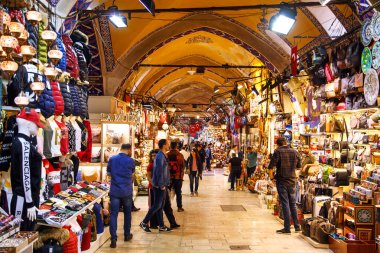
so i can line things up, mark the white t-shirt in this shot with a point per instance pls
(56, 140)
(78, 135)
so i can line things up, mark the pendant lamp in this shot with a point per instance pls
(16, 28)
(51, 73)
(6, 20)
(8, 43)
(23, 37)
(9, 67)
(48, 36)
(21, 100)
(34, 17)
(55, 56)
(28, 52)
(37, 87)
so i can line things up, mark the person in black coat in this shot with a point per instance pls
(195, 171)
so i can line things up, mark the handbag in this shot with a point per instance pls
(339, 177)
(363, 121)
(349, 102)
(323, 231)
(330, 90)
(333, 65)
(353, 55)
(335, 145)
(344, 86)
(336, 125)
(329, 75)
(359, 102)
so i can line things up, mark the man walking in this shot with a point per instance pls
(177, 171)
(121, 168)
(160, 182)
(286, 160)
(202, 154)
(208, 157)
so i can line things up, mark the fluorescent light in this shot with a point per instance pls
(191, 72)
(324, 2)
(197, 116)
(119, 21)
(283, 21)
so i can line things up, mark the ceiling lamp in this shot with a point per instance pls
(191, 72)
(28, 52)
(324, 2)
(283, 21)
(16, 28)
(55, 56)
(240, 86)
(119, 21)
(9, 67)
(21, 100)
(6, 19)
(171, 110)
(48, 36)
(3, 55)
(23, 37)
(37, 87)
(165, 126)
(216, 89)
(34, 17)
(197, 116)
(200, 70)
(8, 43)
(51, 73)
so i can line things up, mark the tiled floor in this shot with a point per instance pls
(206, 228)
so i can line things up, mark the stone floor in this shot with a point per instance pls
(206, 228)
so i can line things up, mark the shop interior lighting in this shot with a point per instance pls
(324, 2)
(240, 86)
(216, 89)
(191, 72)
(165, 126)
(119, 21)
(283, 21)
(197, 116)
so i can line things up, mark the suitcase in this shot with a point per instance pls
(318, 202)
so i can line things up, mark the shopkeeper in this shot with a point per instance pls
(308, 160)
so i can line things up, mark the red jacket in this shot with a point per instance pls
(71, 57)
(58, 99)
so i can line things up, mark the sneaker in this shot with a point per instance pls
(135, 209)
(231, 189)
(153, 227)
(145, 227)
(164, 229)
(128, 238)
(196, 194)
(283, 231)
(174, 226)
(297, 230)
(180, 209)
(113, 244)
(192, 194)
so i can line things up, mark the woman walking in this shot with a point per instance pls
(195, 166)
(149, 170)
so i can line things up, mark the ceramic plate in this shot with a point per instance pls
(366, 33)
(375, 26)
(371, 87)
(366, 60)
(376, 55)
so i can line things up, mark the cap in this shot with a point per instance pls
(30, 115)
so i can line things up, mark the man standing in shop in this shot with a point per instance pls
(252, 161)
(208, 157)
(160, 182)
(121, 168)
(286, 160)
(177, 171)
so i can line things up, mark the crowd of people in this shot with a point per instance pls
(168, 166)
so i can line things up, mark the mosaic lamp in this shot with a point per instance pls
(51, 73)
(6, 19)
(37, 87)
(34, 17)
(8, 43)
(9, 67)
(16, 28)
(21, 100)
(55, 56)
(28, 52)
(23, 37)
(48, 36)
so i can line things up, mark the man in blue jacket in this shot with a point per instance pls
(121, 168)
(160, 182)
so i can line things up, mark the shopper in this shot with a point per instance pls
(160, 183)
(184, 151)
(195, 167)
(235, 167)
(208, 157)
(121, 168)
(177, 171)
(233, 150)
(202, 155)
(286, 160)
(252, 161)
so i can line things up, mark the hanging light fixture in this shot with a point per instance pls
(171, 110)
(23, 37)
(3, 55)
(34, 17)
(6, 19)
(28, 52)
(37, 87)
(8, 43)
(21, 100)
(16, 28)
(191, 72)
(9, 67)
(216, 89)
(48, 36)
(283, 21)
(118, 20)
(51, 73)
(165, 126)
(55, 56)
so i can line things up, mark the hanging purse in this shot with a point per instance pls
(349, 102)
(333, 65)
(344, 86)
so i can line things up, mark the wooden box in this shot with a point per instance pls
(348, 246)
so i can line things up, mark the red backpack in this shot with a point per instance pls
(173, 164)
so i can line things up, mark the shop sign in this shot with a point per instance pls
(109, 117)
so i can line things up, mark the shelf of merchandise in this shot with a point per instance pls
(373, 109)
(75, 215)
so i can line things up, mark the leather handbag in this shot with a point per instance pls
(344, 156)
(336, 125)
(349, 102)
(353, 55)
(344, 86)
(339, 177)
(363, 121)
(333, 65)
(359, 102)
(323, 232)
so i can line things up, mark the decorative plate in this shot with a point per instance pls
(366, 59)
(375, 26)
(371, 87)
(376, 55)
(366, 33)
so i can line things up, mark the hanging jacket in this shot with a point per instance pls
(83, 101)
(83, 68)
(75, 98)
(46, 102)
(10, 130)
(61, 47)
(68, 102)
(71, 57)
(24, 76)
(33, 34)
(85, 156)
(58, 99)
(42, 45)
(78, 36)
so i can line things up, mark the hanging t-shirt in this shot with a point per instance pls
(52, 140)
(53, 175)
(84, 135)
(69, 166)
(64, 137)
(72, 135)
(78, 136)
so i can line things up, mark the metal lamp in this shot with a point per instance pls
(8, 43)
(55, 56)
(51, 73)
(34, 17)
(16, 28)
(21, 100)
(28, 52)
(37, 87)
(48, 36)
(9, 67)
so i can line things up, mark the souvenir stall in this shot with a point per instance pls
(45, 135)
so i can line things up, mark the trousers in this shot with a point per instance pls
(127, 209)
(287, 195)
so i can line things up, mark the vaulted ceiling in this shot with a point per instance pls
(203, 38)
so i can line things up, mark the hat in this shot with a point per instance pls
(30, 115)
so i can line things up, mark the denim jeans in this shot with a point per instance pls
(167, 210)
(235, 174)
(157, 207)
(177, 186)
(194, 178)
(127, 208)
(287, 195)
